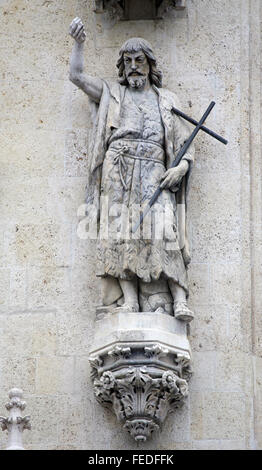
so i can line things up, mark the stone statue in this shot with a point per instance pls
(135, 140)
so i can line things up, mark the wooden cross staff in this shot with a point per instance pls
(182, 151)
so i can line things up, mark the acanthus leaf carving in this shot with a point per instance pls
(156, 351)
(140, 400)
(4, 423)
(120, 352)
(184, 366)
(15, 424)
(96, 361)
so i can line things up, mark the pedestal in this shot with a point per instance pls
(141, 364)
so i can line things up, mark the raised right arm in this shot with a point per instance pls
(90, 85)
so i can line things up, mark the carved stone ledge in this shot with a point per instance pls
(141, 364)
(149, 9)
(140, 354)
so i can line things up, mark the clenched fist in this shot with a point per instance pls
(77, 30)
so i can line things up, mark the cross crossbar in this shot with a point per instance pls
(181, 153)
(203, 128)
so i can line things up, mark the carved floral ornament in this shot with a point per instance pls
(15, 404)
(151, 354)
(140, 401)
(141, 396)
(21, 422)
(15, 424)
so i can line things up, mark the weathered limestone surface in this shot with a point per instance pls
(48, 290)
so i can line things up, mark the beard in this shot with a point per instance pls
(137, 81)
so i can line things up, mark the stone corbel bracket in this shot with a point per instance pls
(100, 6)
(141, 380)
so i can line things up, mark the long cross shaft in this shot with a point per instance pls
(203, 128)
(177, 160)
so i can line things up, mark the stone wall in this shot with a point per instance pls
(48, 289)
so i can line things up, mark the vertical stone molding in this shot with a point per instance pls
(15, 423)
(141, 365)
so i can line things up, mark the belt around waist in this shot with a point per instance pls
(123, 142)
(121, 153)
(119, 159)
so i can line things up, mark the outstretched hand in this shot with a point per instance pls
(77, 30)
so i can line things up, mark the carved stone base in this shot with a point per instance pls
(149, 9)
(140, 368)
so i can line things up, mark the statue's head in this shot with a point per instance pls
(136, 63)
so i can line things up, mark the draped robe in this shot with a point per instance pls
(107, 118)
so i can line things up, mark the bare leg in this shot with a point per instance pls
(178, 293)
(111, 293)
(130, 291)
(181, 310)
(110, 290)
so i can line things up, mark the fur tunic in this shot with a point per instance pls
(130, 150)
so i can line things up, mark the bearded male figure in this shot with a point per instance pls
(136, 137)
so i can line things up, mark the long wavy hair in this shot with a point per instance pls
(136, 45)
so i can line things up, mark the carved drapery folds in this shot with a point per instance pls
(140, 381)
